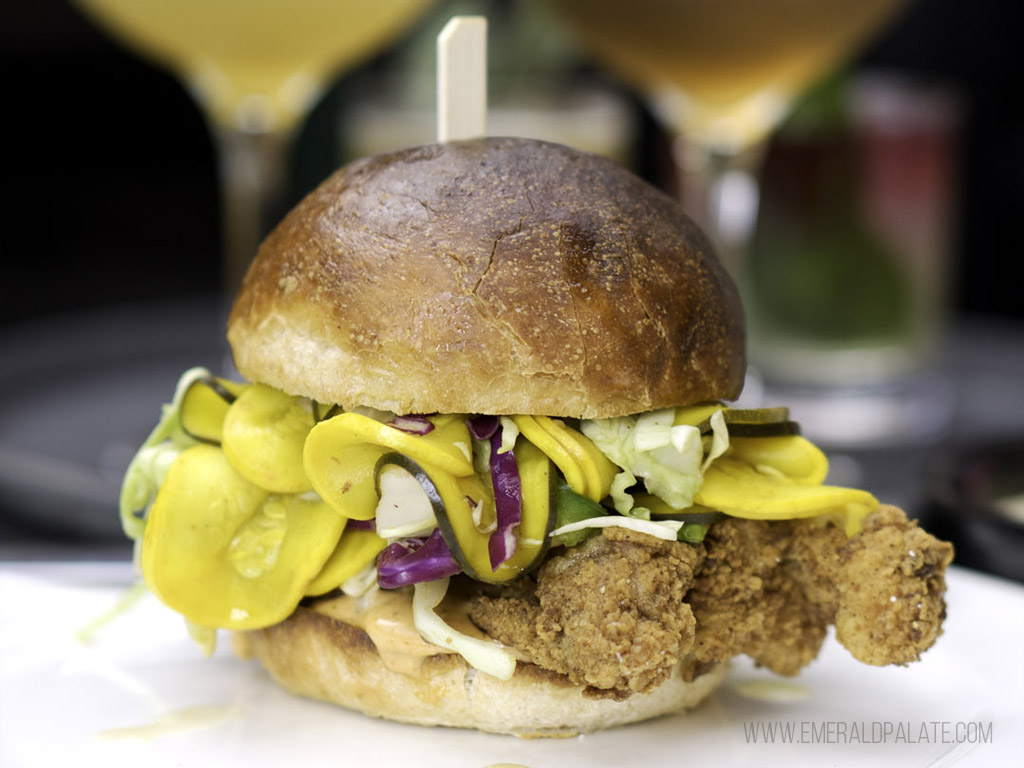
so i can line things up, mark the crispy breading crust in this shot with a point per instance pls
(618, 612)
(609, 613)
(890, 588)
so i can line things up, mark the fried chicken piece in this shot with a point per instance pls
(609, 613)
(618, 612)
(750, 594)
(770, 590)
(890, 589)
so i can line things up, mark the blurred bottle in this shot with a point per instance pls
(847, 289)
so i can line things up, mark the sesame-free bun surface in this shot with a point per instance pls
(504, 276)
(312, 654)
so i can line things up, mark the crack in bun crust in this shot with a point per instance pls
(490, 276)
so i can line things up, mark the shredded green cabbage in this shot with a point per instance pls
(509, 433)
(662, 529)
(373, 413)
(149, 465)
(719, 438)
(486, 656)
(668, 457)
(403, 508)
(622, 499)
(362, 582)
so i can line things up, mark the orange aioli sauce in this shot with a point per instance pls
(386, 616)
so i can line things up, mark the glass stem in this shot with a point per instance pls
(253, 194)
(720, 192)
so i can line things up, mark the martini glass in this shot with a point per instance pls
(721, 75)
(256, 68)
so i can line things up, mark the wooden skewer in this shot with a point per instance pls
(462, 79)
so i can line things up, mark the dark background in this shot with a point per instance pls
(110, 184)
(110, 257)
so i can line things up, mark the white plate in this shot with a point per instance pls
(63, 702)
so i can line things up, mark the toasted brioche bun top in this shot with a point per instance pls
(503, 276)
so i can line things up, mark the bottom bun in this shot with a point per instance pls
(315, 655)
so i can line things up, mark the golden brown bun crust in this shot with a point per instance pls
(490, 276)
(312, 654)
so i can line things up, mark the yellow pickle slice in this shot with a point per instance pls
(205, 406)
(457, 497)
(263, 435)
(793, 456)
(697, 415)
(341, 453)
(598, 470)
(224, 552)
(587, 471)
(470, 545)
(531, 429)
(355, 551)
(738, 489)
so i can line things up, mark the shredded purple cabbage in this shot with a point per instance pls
(410, 561)
(483, 427)
(508, 492)
(417, 425)
(361, 525)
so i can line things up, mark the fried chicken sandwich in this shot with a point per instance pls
(482, 473)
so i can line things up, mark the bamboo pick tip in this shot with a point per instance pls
(462, 79)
